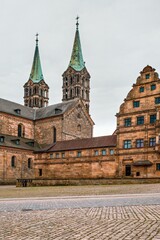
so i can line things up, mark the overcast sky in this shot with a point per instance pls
(118, 37)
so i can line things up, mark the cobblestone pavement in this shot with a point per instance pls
(78, 202)
(82, 218)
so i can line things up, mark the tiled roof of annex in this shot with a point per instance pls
(87, 143)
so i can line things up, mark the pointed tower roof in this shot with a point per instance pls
(36, 72)
(76, 61)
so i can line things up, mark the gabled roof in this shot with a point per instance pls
(10, 107)
(35, 114)
(77, 144)
(54, 110)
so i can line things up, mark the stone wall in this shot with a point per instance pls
(77, 123)
(54, 166)
(9, 173)
(44, 129)
(9, 125)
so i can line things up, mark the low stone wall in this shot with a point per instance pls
(8, 182)
(76, 182)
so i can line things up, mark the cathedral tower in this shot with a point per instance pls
(35, 89)
(76, 79)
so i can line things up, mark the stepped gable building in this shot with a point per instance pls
(138, 128)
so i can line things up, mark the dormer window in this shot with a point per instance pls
(1, 139)
(30, 143)
(147, 76)
(18, 111)
(58, 111)
(16, 141)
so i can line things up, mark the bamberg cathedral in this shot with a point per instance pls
(49, 145)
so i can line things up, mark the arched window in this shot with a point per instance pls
(79, 127)
(30, 103)
(13, 161)
(78, 92)
(71, 93)
(30, 91)
(66, 93)
(34, 90)
(19, 130)
(54, 135)
(29, 162)
(41, 103)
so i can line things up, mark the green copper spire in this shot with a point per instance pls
(76, 61)
(36, 72)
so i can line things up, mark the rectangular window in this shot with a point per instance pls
(78, 154)
(157, 100)
(136, 104)
(137, 174)
(147, 76)
(152, 142)
(111, 151)
(141, 89)
(96, 153)
(63, 155)
(127, 144)
(158, 166)
(153, 87)
(57, 155)
(127, 122)
(51, 155)
(40, 172)
(140, 120)
(153, 118)
(29, 163)
(103, 152)
(139, 143)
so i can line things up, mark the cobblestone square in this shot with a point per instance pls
(131, 222)
(133, 216)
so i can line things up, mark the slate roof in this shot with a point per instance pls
(24, 143)
(96, 142)
(35, 114)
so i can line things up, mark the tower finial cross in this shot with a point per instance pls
(77, 23)
(37, 38)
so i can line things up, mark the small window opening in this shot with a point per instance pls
(137, 174)
(13, 161)
(29, 163)
(40, 172)
(1, 139)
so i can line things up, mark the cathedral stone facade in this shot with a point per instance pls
(43, 144)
